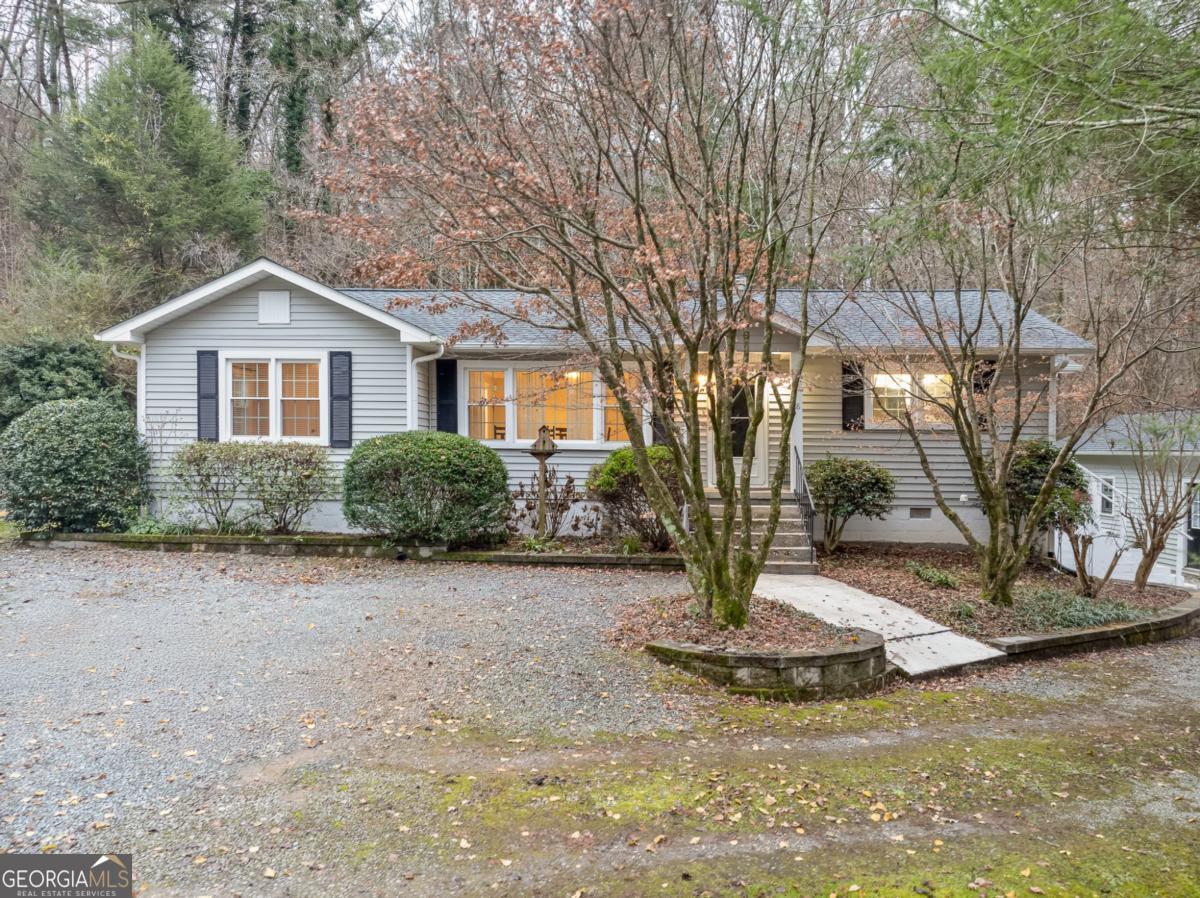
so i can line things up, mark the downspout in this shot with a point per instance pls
(140, 398)
(412, 381)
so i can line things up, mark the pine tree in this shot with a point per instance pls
(143, 177)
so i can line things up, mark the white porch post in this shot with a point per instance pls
(797, 433)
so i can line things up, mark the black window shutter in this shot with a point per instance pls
(985, 373)
(853, 385)
(341, 404)
(447, 395)
(208, 399)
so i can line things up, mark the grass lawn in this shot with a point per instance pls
(943, 584)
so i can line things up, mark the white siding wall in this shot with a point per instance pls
(380, 365)
(1125, 480)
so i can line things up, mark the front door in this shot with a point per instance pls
(1193, 534)
(739, 414)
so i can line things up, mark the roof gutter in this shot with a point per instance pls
(412, 381)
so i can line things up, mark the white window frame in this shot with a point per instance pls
(1106, 493)
(510, 369)
(1194, 517)
(916, 404)
(273, 358)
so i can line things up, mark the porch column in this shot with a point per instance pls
(797, 434)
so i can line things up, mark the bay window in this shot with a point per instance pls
(563, 402)
(487, 414)
(509, 402)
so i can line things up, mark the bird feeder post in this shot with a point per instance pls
(542, 449)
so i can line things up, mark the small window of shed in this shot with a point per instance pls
(274, 307)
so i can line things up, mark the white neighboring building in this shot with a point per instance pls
(1111, 460)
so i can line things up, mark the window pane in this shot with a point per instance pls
(486, 412)
(614, 422)
(249, 386)
(563, 403)
(941, 388)
(891, 394)
(300, 402)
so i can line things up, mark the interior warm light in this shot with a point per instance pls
(572, 376)
(702, 380)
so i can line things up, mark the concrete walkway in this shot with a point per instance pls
(915, 644)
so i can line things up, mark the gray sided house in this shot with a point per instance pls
(264, 353)
(1163, 449)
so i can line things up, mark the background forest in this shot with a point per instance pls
(147, 145)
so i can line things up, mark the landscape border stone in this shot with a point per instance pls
(335, 544)
(320, 544)
(1171, 623)
(811, 675)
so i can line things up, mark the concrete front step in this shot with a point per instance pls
(789, 553)
(790, 567)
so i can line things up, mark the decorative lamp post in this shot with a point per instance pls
(542, 449)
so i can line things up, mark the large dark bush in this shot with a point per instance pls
(844, 487)
(427, 487)
(1030, 467)
(39, 369)
(617, 484)
(73, 464)
(252, 486)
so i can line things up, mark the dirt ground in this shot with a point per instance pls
(251, 727)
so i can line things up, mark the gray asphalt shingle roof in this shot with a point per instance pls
(1148, 429)
(865, 319)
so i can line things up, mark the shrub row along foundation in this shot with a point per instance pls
(839, 672)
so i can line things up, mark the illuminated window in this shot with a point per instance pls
(614, 422)
(891, 393)
(936, 388)
(300, 402)
(251, 393)
(487, 415)
(565, 403)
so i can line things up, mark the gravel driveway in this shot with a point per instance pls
(130, 677)
(308, 728)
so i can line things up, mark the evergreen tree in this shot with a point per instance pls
(143, 177)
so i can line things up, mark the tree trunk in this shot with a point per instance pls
(1001, 562)
(726, 593)
(1154, 548)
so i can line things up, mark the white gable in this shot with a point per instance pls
(135, 329)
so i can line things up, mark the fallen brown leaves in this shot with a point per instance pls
(680, 618)
(881, 570)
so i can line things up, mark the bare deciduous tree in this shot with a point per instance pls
(649, 176)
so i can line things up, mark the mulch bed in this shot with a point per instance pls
(772, 625)
(881, 570)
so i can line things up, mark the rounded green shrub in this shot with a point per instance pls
(73, 464)
(844, 487)
(427, 487)
(616, 482)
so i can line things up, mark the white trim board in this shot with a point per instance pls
(134, 329)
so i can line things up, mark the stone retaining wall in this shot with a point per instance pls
(838, 672)
(307, 544)
(336, 544)
(1171, 623)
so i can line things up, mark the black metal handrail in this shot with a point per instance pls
(804, 500)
